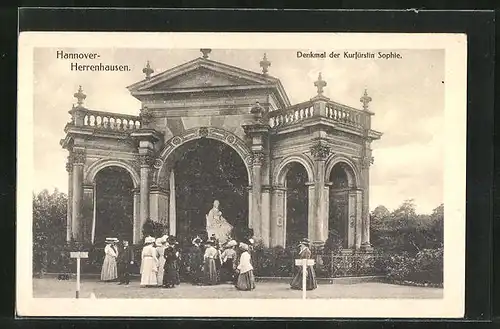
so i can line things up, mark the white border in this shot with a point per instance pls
(452, 303)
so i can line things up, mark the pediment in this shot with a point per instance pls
(200, 78)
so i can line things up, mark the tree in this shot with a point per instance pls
(49, 226)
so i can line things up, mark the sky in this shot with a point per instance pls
(407, 99)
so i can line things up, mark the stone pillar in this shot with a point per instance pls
(257, 195)
(159, 206)
(351, 219)
(278, 196)
(69, 213)
(365, 174)
(320, 152)
(359, 217)
(265, 225)
(172, 216)
(137, 217)
(311, 211)
(76, 207)
(145, 160)
(250, 208)
(87, 213)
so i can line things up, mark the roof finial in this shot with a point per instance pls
(205, 52)
(365, 99)
(320, 84)
(147, 70)
(80, 96)
(264, 63)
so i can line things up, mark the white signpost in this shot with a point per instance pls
(304, 263)
(78, 255)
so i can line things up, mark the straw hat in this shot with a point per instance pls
(159, 242)
(149, 239)
(111, 240)
(305, 242)
(197, 240)
(231, 243)
(243, 246)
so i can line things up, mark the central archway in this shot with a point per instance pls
(206, 170)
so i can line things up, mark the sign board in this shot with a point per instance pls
(79, 254)
(300, 262)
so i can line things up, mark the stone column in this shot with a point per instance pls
(76, 208)
(351, 219)
(137, 229)
(256, 195)
(146, 161)
(320, 152)
(311, 211)
(265, 225)
(172, 216)
(365, 174)
(359, 217)
(250, 206)
(87, 213)
(69, 212)
(278, 195)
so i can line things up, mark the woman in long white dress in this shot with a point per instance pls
(160, 250)
(149, 264)
(109, 271)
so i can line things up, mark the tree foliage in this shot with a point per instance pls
(49, 226)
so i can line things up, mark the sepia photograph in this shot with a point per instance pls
(310, 172)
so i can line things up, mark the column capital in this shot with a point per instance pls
(258, 158)
(320, 150)
(146, 160)
(69, 166)
(77, 156)
(366, 161)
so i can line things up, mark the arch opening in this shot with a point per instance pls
(206, 170)
(114, 204)
(338, 216)
(296, 177)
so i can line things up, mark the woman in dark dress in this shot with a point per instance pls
(228, 258)
(209, 268)
(304, 253)
(171, 275)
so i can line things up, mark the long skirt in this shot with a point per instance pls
(310, 279)
(210, 272)
(246, 281)
(149, 272)
(227, 271)
(109, 269)
(171, 276)
(160, 274)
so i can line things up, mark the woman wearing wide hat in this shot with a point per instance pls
(160, 251)
(195, 261)
(209, 268)
(246, 279)
(109, 271)
(171, 277)
(228, 258)
(149, 264)
(304, 253)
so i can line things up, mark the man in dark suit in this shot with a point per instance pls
(125, 259)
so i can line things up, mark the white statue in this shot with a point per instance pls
(218, 225)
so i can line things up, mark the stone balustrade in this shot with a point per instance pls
(110, 121)
(343, 114)
(346, 115)
(292, 115)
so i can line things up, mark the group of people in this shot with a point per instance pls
(207, 263)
